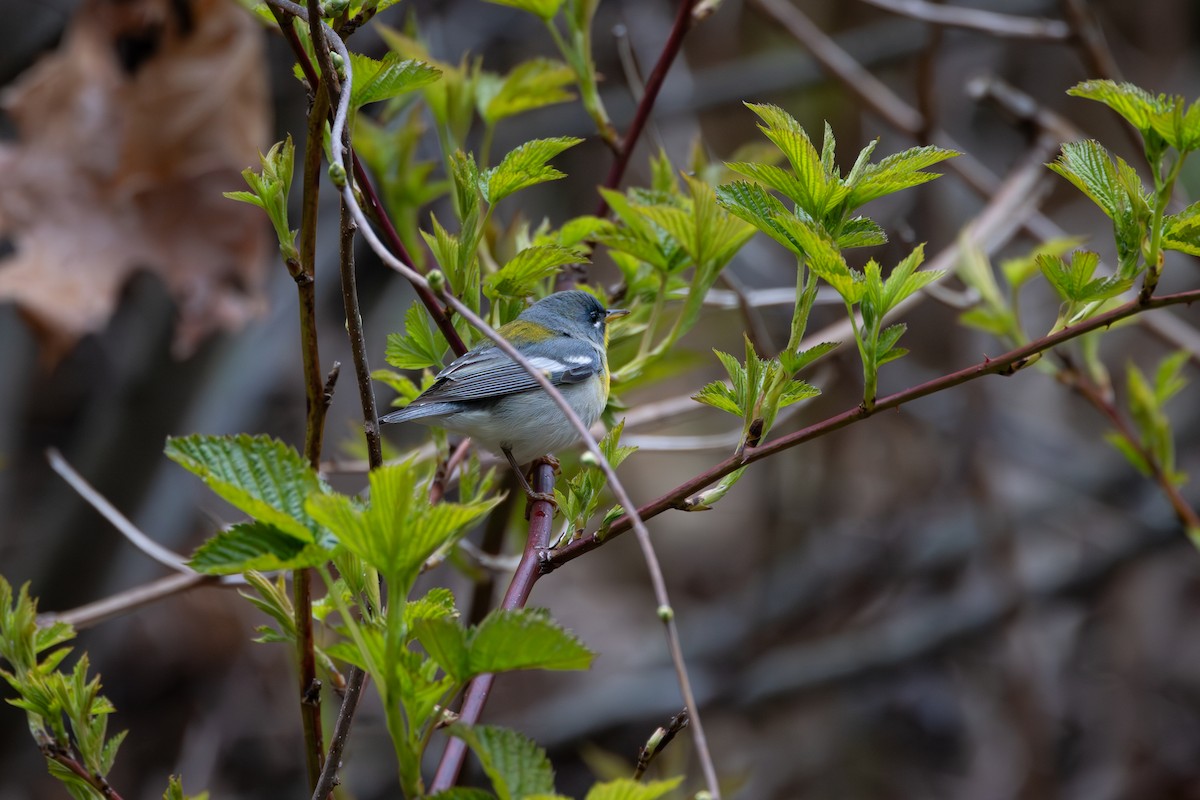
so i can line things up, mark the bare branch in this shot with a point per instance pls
(977, 19)
(141, 541)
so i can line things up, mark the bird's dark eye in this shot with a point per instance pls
(597, 316)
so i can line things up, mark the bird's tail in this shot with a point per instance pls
(417, 411)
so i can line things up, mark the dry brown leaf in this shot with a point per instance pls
(128, 135)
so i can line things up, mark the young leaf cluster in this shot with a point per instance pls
(1170, 131)
(579, 496)
(819, 225)
(664, 233)
(1154, 445)
(67, 715)
(269, 190)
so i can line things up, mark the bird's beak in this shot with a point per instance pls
(615, 313)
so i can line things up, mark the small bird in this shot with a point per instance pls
(486, 395)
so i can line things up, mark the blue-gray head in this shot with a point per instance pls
(573, 313)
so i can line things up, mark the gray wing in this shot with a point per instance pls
(488, 372)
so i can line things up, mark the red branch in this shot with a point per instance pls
(529, 569)
(1006, 364)
(683, 21)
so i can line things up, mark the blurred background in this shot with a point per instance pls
(973, 597)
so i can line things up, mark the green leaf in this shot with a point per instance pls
(421, 345)
(258, 475)
(514, 764)
(525, 639)
(1088, 166)
(438, 603)
(528, 268)
(532, 84)
(398, 531)
(1135, 104)
(628, 789)
(860, 232)
(776, 178)
(895, 172)
(1074, 281)
(255, 546)
(815, 188)
(526, 166)
(391, 76)
(721, 396)
(175, 791)
(446, 642)
(546, 9)
(906, 281)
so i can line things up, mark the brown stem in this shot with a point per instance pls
(541, 517)
(52, 751)
(493, 540)
(1006, 364)
(683, 21)
(341, 733)
(1088, 391)
(436, 311)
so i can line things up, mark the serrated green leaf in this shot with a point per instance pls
(524, 639)
(421, 345)
(446, 642)
(526, 166)
(794, 362)
(860, 232)
(628, 789)
(895, 172)
(258, 475)
(528, 268)
(719, 395)
(889, 336)
(905, 281)
(532, 84)
(776, 178)
(1135, 104)
(1088, 166)
(255, 546)
(398, 531)
(815, 186)
(794, 391)
(514, 764)
(391, 76)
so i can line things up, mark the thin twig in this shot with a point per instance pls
(683, 21)
(977, 19)
(118, 520)
(94, 613)
(833, 59)
(1005, 364)
(55, 753)
(341, 733)
(541, 517)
